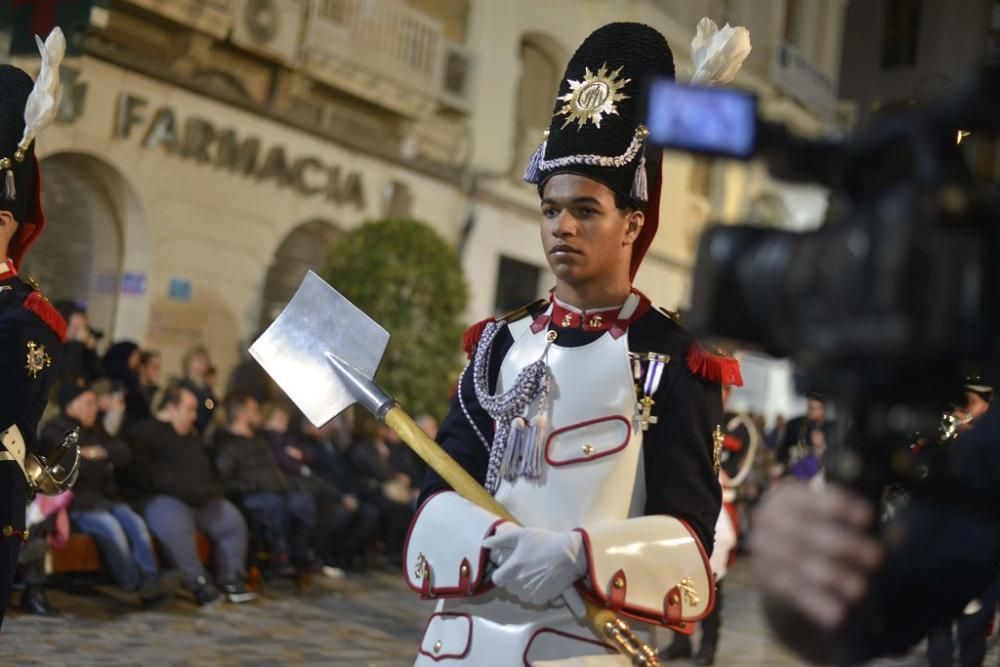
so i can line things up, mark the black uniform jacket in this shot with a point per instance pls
(681, 480)
(30, 355)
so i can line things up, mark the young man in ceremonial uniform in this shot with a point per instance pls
(31, 331)
(592, 416)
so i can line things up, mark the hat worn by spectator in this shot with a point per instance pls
(70, 389)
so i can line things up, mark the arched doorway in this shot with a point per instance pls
(80, 254)
(306, 247)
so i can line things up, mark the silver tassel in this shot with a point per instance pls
(533, 172)
(640, 187)
(9, 189)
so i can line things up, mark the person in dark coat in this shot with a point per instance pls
(183, 494)
(80, 352)
(121, 363)
(313, 461)
(198, 371)
(285, 516)
(388, 476)
(31, 330)
(97, 510)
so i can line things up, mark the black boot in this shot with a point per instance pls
(710, 631)
(679, 648)
(34, 601)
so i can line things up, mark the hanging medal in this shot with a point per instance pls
(647, 369)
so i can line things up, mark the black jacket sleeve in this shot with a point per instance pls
(678, 450)
(679, 454)
(463, 431)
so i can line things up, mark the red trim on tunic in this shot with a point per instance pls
(46, 312)
(715, 367)
(470, 339)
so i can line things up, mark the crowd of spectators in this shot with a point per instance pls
(164, 460)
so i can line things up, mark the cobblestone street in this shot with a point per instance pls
(365, 620)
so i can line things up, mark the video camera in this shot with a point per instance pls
(894, 297)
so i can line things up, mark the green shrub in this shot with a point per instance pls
(408, 279)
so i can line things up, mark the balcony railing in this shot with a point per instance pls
(214, 17)
(379, 49)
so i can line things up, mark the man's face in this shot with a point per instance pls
(8, 227)
(198, 366)
(975, 405)
(251, 413)
(151, 370)
(815, 410)
(83, 408)
(78, 327)
(584, 235)
(183, 415)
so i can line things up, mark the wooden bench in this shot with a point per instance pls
(80, 554)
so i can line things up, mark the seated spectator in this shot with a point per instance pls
(286, 517)
(198, 375)
(183, 494)
(313, 463)
(96, 509)
(390, 482)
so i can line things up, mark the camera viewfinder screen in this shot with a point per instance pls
(714, 121)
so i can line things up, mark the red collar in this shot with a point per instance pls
(9, 271)
(614, 319)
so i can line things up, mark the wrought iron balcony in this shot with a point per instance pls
(380, 50)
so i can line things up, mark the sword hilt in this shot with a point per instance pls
(621, 637)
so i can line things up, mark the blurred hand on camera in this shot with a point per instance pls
(812, 550)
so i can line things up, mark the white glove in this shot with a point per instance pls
(536, 565)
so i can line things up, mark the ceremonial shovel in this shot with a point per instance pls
(323, 352)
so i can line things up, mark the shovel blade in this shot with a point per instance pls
(319, 320)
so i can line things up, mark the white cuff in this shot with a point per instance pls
(443, 555)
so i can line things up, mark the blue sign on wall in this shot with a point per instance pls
(133, 283)
(180, 290)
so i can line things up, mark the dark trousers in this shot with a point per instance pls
(286, 522)
(13, 493)
(174, 523)
(352, 531)
(971, 640)
(396, 518)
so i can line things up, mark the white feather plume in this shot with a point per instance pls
(43, 101)
(718, 54)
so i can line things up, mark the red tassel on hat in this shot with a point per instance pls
(715, 367)
(47, 313)
(470, 339)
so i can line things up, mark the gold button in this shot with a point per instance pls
(551, 336)
(437, 646)
(25, 534)
(209, 404)
(618, 582)
(8, 530)
(588, 450)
